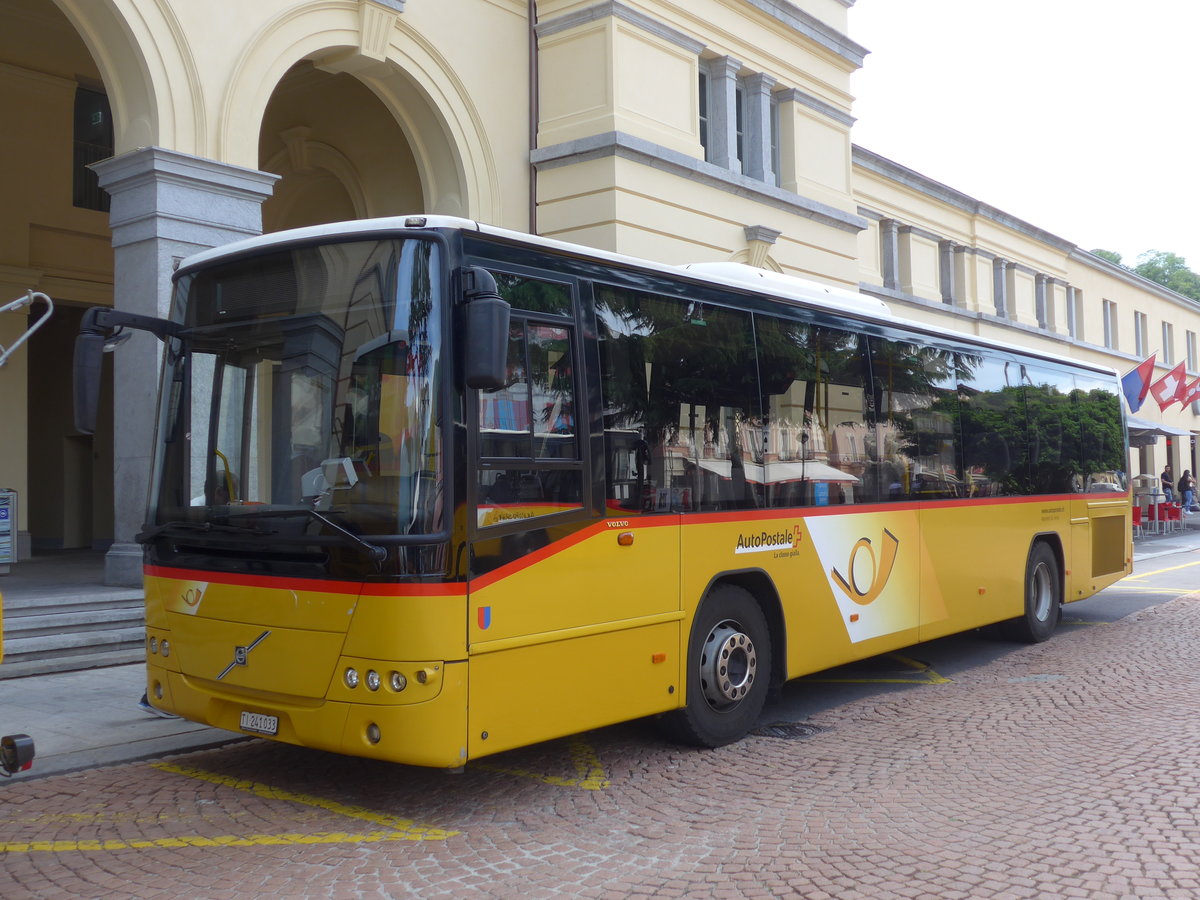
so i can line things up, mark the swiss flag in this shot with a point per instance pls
(1170, 387)
(1191, 392)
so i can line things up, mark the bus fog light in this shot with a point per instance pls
(158, 690)
(372, 680)
(351, 677)
(373, 734)
(398, 681)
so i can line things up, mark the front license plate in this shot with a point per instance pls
(260, 724)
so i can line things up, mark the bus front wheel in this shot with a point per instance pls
(728, 671)
(1043, 597)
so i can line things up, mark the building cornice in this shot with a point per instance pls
(618, 10)
(626, 146)
(813, 28)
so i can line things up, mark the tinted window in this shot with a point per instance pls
(681, 419)
(817, 444)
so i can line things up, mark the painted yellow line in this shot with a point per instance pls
(410, 830)
(392, 828)
(589, 771)
(1141, 589)
(923, 674)
(255, 840)
(1160, 571)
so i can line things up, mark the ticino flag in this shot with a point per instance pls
(1171, 387)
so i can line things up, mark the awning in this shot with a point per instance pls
(1143, 432)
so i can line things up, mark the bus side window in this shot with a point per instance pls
(915, 433)
(815, 440)
(682, 424)
(528, 446)
(994, 431)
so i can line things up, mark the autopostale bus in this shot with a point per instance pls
(427, 490)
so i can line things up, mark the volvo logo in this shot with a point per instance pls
(241, 654)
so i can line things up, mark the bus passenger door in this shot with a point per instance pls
(573, 608)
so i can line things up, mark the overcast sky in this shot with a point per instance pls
(1081, 117)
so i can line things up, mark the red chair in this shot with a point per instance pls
(1174, 517)
(1139, 530)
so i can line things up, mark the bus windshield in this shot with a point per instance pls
(303, 396)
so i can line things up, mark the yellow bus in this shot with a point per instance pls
(427, 490)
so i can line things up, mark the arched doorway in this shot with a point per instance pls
(54, 237)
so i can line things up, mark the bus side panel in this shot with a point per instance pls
(975, 562)
(847, 582)
(541, 691)
(577, 635)
(1102, 545)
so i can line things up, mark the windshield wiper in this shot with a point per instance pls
(202, 527)
(374, 552)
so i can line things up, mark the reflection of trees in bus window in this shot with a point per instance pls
(534, 294)
(992, 410)
(815, 442)
(681, 419)
(915, 433)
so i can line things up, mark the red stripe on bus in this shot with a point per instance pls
(370, 588)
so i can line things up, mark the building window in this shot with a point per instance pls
(1110, 324)
(93, 142)
(739, 120)
(1168, 343)
(1192, 362)
(1139, 334)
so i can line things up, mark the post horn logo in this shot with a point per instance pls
(881, 569)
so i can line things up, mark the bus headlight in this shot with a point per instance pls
(351, 677)
(398, 681)
(372, 680)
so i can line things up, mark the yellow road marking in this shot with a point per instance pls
(589, 772)
(255, 840)
(390, 828)
(268, 792)
(1160, 571)
(924, 675)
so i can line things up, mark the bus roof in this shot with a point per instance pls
(729, 274)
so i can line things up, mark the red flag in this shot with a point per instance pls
(1192, 392)
(1170, 387)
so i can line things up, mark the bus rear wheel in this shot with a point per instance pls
(728, 671)
(1043, 598)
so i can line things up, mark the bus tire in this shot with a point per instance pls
(1043, 597)
(728, 671)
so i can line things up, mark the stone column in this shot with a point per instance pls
(1000, 286)
(165, 206)
(722, 112)
(758, 162)
(889, 253)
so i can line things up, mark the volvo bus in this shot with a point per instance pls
(425, 490)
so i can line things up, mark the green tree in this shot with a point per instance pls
(1114, 258)
(1170, 270)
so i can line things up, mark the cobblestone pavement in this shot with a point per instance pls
(1065, 769)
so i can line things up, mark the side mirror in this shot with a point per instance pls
(89, 355)
(485, 347)
(101, 331)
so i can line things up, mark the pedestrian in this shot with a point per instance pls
(1168, 483)
(1187, 491)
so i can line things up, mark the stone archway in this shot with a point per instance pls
(452, 159)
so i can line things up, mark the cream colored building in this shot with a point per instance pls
(706, 130)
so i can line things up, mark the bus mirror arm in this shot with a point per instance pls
(102, 329)
(485, 347)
